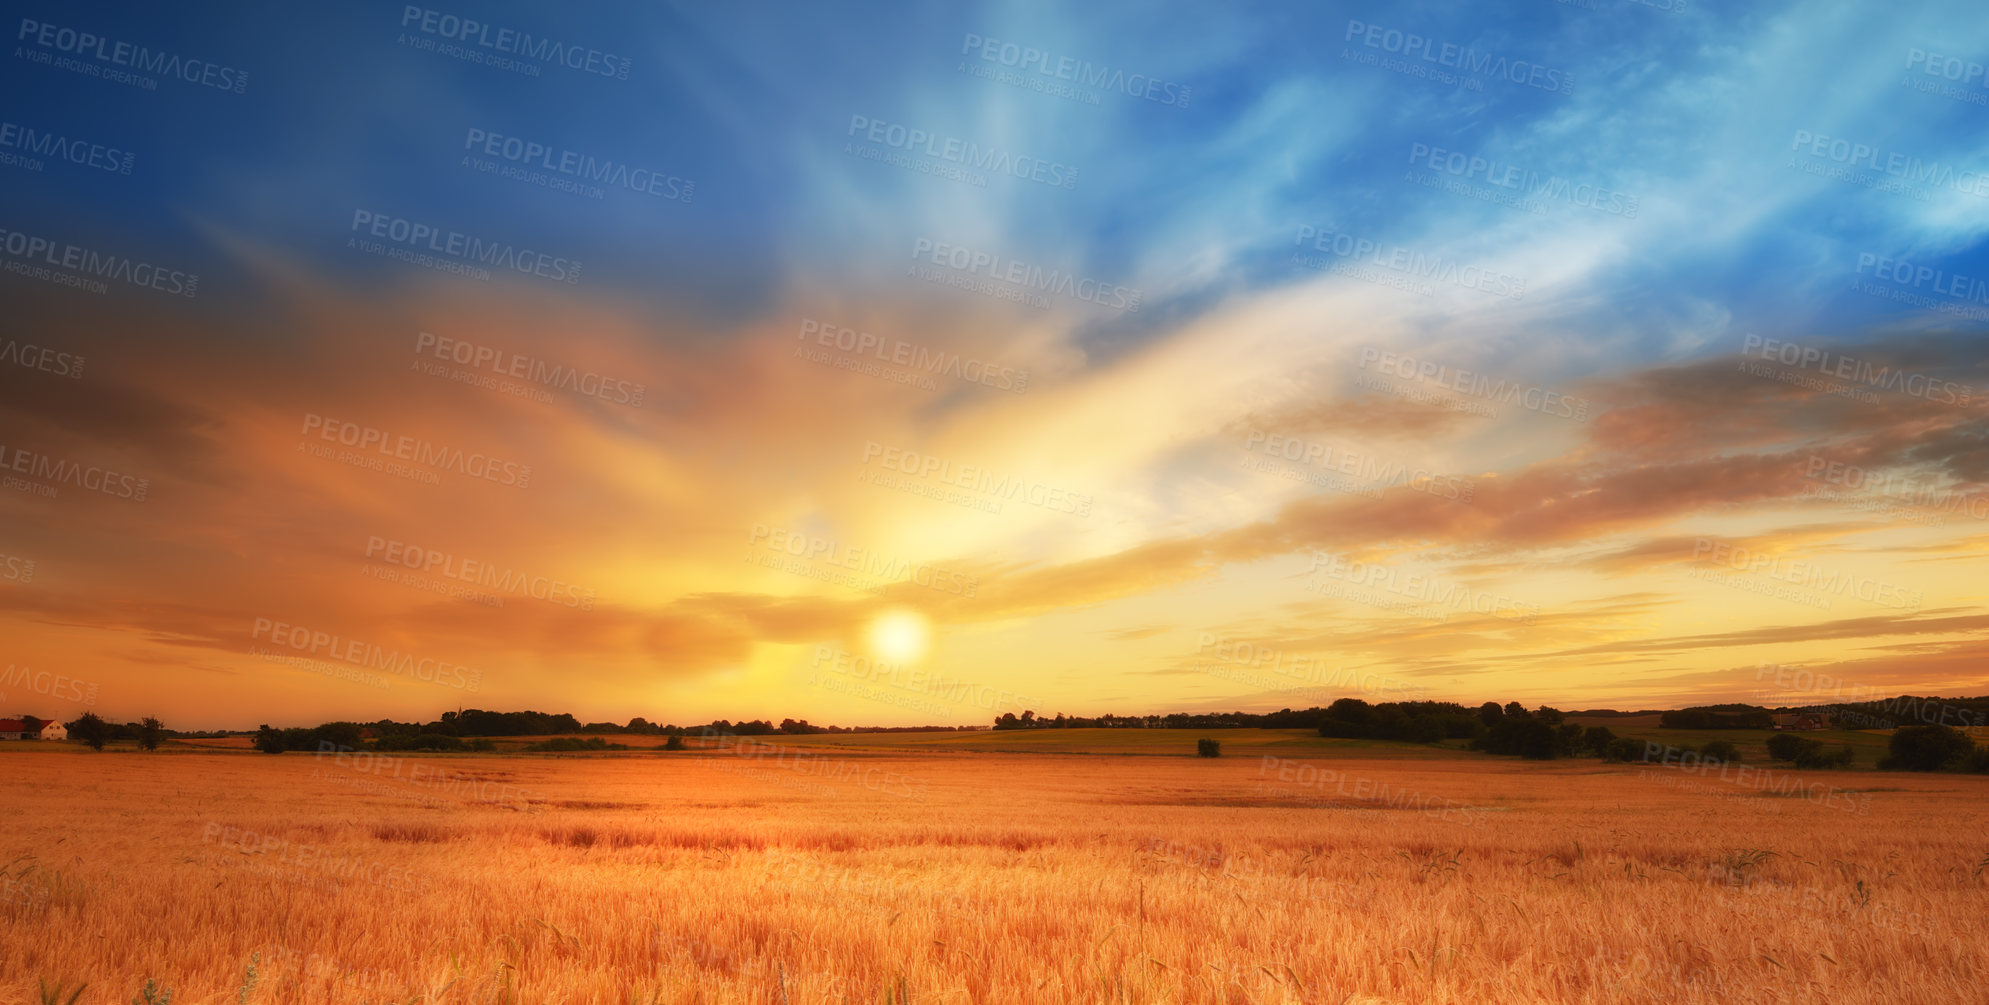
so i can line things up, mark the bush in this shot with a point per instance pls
(1788, 746)
(271, 741)
(1528, 737)
(1977, 761)
(424, 741)
(675, 742)
(1720, 750)
(564, 744)
(1927, 748)
(1623, 749)
(1206, 747)
(1815, 756)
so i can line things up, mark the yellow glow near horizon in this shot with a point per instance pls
(900, 636)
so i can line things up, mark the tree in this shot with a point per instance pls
(1490, 713)
(1927, 748)
(1206, 747)
(1425, 729)
(150, 732)
(675, 742)
(1596, 740)
(270, 741)
(1527, 737)
(1515, 710)
(91, 730)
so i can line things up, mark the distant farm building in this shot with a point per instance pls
(17, 729)
(54, 731)
(1800, 720)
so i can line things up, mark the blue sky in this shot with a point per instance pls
(1602, 200)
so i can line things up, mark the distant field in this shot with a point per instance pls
(812, 874)
(1869, 745)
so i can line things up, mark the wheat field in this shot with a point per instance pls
(796, 876)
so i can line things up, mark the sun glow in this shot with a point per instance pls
(900, 636)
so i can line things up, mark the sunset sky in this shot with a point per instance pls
(948, 362)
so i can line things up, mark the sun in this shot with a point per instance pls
(900, 636)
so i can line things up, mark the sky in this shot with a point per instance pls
(928, 362)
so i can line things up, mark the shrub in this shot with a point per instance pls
(1623, 749)
(1789, 746)
(424, 741)
(675, 742)
(1814, 756)
(1528, 737)
(271, 741)
(561, 744)
(1927, 748)
(1206, 747)
(1720, 750)
(1977, 761)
